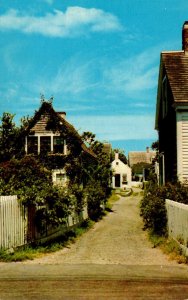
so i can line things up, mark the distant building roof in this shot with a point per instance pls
(135, 157)
(107, 148)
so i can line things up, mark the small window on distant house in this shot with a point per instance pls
(32, 145)
(60, 177)
(124, 178)
(58, 144)
(117, 163)
(45, 144)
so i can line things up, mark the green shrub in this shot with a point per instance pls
(153, 211)
(152, 207)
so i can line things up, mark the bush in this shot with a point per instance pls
(152, 207)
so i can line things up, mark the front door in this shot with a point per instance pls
(117, 180)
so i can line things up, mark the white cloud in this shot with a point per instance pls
(102, 78)
(74, 21)
(123, 127)
(134, 75)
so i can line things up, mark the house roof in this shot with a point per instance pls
(47, 113)
(174, 64)
(107, 148)
(135, 157)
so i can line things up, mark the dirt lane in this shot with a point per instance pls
(117, 239)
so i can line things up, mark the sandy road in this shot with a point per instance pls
(117, 239)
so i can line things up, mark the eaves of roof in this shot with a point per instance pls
(173, 64)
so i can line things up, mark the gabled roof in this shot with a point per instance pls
(52, 115)
(135, 157)
(173, 64)
(176, 66)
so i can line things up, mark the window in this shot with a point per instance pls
(124, 178)
(60, 178)
(58, 144)
(164, 97)
(45, 144)
(32, 145)
(117, 163)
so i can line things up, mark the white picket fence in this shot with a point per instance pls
(13, 223)
(177, 216)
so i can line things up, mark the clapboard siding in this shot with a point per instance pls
(182, 145)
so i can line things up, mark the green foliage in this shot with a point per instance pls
(138, 168)
(155, 145)
(122, 156)
(12, 137)
(29, 177)
(33, 251)
(31, 181)
(98, 173)
(152, 207)
(96, 199)
(111, 200)
(8, 134)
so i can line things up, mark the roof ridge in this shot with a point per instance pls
(172, 51)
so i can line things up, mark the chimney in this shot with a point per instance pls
(147, 149)
(116, 155)
(62, 114)
(185, 37)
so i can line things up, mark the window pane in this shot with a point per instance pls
(32, 145)
(124, 178)
(45, 144)
(60, 177)
(58, 144)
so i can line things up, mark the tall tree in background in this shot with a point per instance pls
(12, 137)
(8, 133)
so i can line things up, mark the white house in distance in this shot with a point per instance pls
(122, 174)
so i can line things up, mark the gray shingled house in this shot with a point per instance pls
(172, 113)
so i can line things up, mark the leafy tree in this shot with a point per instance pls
(155, 145)
(31, 181)
(152, 207)
(138, 168)
(8, 132)
(98, 185)
(12, 137)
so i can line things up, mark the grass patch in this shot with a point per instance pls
(111, 200)
(170, 247)
(35, 251)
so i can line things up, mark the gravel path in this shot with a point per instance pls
(117, 239)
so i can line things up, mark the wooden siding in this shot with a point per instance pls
(182, 143)
(185, 147)
(13, 223)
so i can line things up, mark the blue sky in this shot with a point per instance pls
(99, 59)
